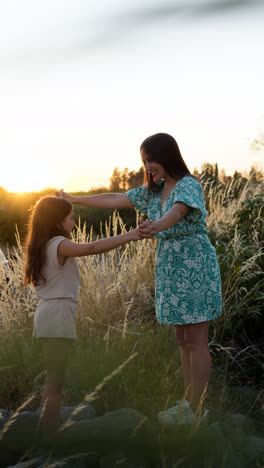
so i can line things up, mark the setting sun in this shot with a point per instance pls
(29, 173)
(23, 181)
(24, 185)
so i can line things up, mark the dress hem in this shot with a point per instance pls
(188, 323)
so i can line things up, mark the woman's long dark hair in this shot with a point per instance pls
(45, 223)
(163, 149)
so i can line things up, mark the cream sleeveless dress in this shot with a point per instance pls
(55, 316)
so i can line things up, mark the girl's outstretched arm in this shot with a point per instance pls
(103, 200)
(67, 248)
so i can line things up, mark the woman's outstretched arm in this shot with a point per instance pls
(103, 200)
(152, 228)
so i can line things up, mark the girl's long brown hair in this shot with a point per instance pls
(45, 223)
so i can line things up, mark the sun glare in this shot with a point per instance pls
(24, 185)
(26, 181)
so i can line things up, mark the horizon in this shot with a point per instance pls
(95, 188)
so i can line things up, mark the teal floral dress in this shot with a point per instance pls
(187, 280)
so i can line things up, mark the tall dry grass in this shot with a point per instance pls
(236, 228)
(119, 285)
(117, 297)
(115, 286)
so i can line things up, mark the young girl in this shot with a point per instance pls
(51, 267)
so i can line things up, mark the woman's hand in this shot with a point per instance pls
(67, 196)
(147, 229)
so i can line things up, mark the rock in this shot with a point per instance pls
(74, 413)
(239, 448)
(96, 435)
(44, 462)
(241, 423)
(238, 421)
(233, 460)
(77, 413)
(106, 432)
(20, 432)
(254, 448)
(221, 432)
(120, 460)
(75, 461)
(4, 416)
(259, 424)
(33, 463)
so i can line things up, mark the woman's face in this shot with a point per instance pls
(68, 223)
(154, 168)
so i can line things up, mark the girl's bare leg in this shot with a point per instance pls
(51, 403)
(56, 356)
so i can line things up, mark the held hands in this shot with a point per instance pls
(147, 229)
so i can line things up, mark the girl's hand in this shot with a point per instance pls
(67, 196)
(148, 229)
(136, 234)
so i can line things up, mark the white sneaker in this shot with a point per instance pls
(179, 414)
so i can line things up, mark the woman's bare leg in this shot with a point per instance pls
(185, 360)
(196, 341)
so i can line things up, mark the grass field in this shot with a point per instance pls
(116, 319)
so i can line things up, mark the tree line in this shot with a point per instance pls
(15, 208)
(121, 181)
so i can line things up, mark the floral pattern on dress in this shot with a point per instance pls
(187, 277)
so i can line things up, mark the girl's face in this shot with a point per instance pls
(68, 223)
(156, 169)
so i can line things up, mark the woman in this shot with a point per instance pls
(187, 284)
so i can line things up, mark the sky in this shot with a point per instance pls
(82, 84)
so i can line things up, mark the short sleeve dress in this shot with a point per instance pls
(187, 277)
